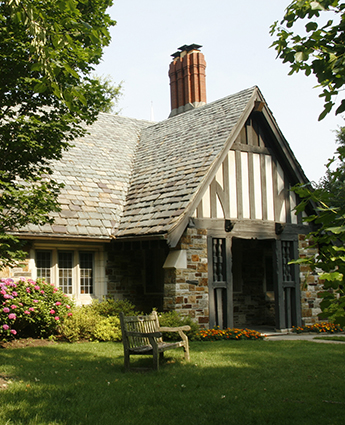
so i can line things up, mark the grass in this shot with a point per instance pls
(242, 382)
(332, 338)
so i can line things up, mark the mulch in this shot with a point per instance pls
(26, 342)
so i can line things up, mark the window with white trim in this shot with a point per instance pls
(43, 265)
(79, 273)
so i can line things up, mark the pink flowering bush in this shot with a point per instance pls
(31, 308)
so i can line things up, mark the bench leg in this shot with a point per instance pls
(126, 358)
(186, 352)
(156, 359)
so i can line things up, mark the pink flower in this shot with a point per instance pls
(52, 312)
(13, 306)
(6, 327)
(58, 303)
(15, 294)
(32, 309)
(21, 304)
(12, 316)
(3, 292)
(13, 331)
(68, 306)
(26, 312)
(6, 310)
(35, 301)
(37, 288)
(57, 318)
(28, 290)
(8, 297)
(69, 314)
(22, 279)
(42, 292)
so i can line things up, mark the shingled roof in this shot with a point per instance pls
(172, 161)
(96, 172)
(131, 178)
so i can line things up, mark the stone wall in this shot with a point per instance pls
(22, 270)
(129, 273)
(310, 285)
(186, 289)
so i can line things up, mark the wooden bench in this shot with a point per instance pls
(142, 335)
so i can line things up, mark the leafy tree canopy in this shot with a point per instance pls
(318, 50)
(329, 234)
(333, 184)
(48, 51)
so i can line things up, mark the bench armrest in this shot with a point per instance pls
(180, 328)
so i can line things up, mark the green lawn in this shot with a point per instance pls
(237, 382)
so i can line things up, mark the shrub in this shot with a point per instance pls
(108, 329)
(109, 307)
(80, 325)
(31, 308)
(87, 323)
(174, 319)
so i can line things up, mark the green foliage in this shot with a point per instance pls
(328, 237)
(108, 329)
(174, 319)
(31, 309)
(48, 51)
(333, 183)
(80, 325)
(319, 50)
(97, 321)
(110, 307)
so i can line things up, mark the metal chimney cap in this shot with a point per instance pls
(185, 48)
(189, 47)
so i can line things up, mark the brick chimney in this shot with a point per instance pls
(187, 79)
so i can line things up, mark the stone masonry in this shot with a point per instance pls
(310, 285)
(186, 290)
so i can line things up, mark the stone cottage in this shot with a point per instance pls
(193, 213)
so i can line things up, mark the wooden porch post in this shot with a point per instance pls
(278, 286)
(229, 285)
(211, 298)
(296, 271)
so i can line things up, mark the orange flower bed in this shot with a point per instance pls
(217, 334)
(322, 327)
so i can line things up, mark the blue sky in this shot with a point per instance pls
(235, 39)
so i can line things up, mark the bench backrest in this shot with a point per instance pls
(149, 323)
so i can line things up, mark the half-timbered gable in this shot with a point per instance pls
(251, 183)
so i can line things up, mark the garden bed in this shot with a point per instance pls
(26, 342)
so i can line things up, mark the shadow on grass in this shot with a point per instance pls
(242, 382)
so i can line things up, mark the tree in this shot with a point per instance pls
(48, 51)
(333, 183)
(320, 50)
(329, 234)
